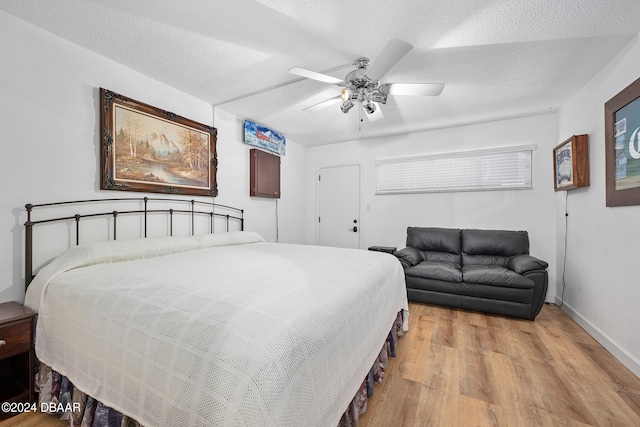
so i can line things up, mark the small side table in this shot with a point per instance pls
(17, 355)
(387, 249)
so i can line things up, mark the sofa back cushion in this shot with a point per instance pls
(492, 247)
(436, 244)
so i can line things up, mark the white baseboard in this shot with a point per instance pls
(607, 342)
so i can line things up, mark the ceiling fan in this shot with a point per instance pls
(363, 84)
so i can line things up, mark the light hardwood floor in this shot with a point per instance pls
(460, 368)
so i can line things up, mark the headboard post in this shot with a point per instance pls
(28, 258)
(77, 218)
(115, 225)
(146, 199)
(193, 214)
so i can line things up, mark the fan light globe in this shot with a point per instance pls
(369, 107)
(345, 94)
(346, 106)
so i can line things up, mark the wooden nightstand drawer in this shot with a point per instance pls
(17, 358)
(16, 338)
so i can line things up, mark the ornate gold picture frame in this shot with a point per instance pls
(146, 149)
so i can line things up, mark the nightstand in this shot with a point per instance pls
(17, 356)
(386, 249)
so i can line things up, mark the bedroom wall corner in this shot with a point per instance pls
(50, 125)
(601, 270)
(280, 220)
(49, 130)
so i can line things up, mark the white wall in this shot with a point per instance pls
(49, 133)
(603, 244)
(233, 182)
(389, 215)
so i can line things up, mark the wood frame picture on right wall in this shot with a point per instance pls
(571, 163)
(622, 146)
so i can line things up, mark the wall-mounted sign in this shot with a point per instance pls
(263, 137)
(622, 145)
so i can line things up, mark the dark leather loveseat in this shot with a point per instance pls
(483, 270)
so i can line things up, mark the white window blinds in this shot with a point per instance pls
(499, 169)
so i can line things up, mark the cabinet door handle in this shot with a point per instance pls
(2, 342)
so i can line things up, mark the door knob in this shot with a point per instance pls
(354, 229)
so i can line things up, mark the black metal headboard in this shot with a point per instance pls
(188, 208)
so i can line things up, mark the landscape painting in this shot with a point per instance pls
(151, 150)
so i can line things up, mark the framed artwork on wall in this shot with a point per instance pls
(146, 149)
(571, 163)
(622, 146)
(263, 137)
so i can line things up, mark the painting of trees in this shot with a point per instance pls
(158, 152)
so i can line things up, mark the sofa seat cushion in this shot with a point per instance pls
(495, 276)
(439, 289)
(435, 270)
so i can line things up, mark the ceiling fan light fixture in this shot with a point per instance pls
(346, 106)
(379, 97)
(350, 94)
(346, 95)
(369, 107)
(362, 85)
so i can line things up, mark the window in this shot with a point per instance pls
(499, 169)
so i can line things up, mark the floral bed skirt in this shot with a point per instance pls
(57, 391)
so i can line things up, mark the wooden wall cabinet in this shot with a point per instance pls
(264, 180)
(571, 163)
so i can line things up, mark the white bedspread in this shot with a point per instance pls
(220, 330)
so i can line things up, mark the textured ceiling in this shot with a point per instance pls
(498, 59)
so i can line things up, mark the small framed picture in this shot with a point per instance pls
(571, 163)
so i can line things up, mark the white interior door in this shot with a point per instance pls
(339, 219)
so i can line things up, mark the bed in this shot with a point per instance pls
(219, 329)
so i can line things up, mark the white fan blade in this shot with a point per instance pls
(390, 55)
(414, 89)
(376, 115)
(302, 72)
(324, 104)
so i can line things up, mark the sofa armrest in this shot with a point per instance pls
(408, 257)
(525, 262)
